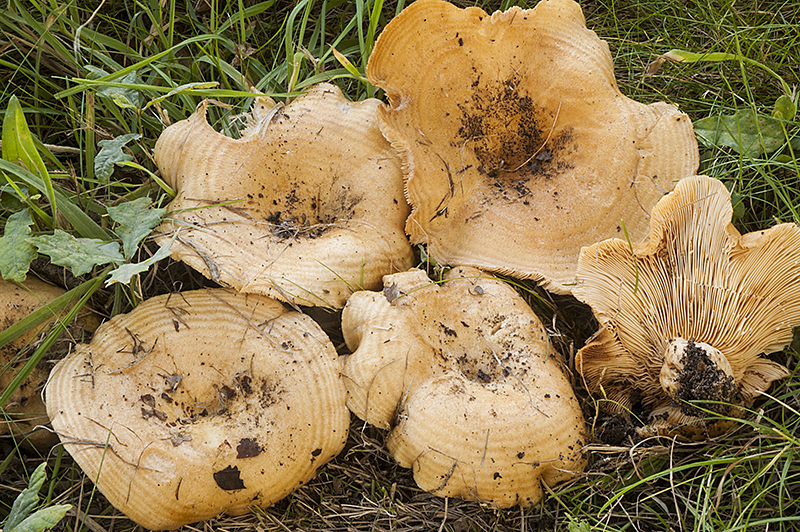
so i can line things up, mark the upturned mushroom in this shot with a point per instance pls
(24, 413)
(200, 403)
(519, 147)
(686, 314)
(306, 207)
(464, 376)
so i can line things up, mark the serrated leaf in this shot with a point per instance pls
(28, 499)
(111, 153)
(16, 253)
(79, 254)
(42, 519)
(18, 146)
(126, 98)
(135, 220)
(743, 131)
(784, 109)
(125, 273)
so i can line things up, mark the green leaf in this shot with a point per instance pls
(124, 273)
(66, 206)
(111, 153)
(124, 97)
(16, 253)
(18, 145)
(136, 219)
(79, 254)
(188, 87)
(784, 109)
(743, 131)
(42, 519)
(28, 499)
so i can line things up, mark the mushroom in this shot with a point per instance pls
(463, 374)
(200, 403)
(24, 412)
(518, 145)
(307, 206)
(685, 314)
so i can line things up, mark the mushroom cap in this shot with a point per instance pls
(694, 280)
(463, 374)
(200, 403)
(25, 411)
(306, 207)
(518, 145)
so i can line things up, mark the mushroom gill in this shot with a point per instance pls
(686, 315)
(518, 146)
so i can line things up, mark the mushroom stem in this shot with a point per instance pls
(696, 372)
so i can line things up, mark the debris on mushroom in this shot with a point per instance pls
(306, 207)
(463, 374)
(24, 415)
(519, 147)
(200, 403)
(686, 314)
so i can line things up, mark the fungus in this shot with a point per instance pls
(24, 412)
(307, 206)
(685, 314)
(200, 403)
(518, 146)
(463, 374)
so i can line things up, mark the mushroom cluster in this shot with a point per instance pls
(505, 146)
(518, 145)
(686, 314)
(199, 403)
(464, 375)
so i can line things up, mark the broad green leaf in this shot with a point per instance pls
(79, 254)
(124, 273)
(743, 131)
(111, 153)
(72, 212)
(16, 253)
(42, 519)
(18, 145)
(28, 499)
(784, 109)
(135, 220)
(124, 97)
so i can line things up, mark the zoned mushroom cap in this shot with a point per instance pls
(518, 145)
(307, 206)
(685, 317)
(25, 410)
(200, 403)
(464, 376)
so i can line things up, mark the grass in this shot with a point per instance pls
(84, 74)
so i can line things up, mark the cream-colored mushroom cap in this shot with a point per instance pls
(685, 316)
(200, 403)
(307, 206)
(464, 376)
(518, 145)
(25, 411)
